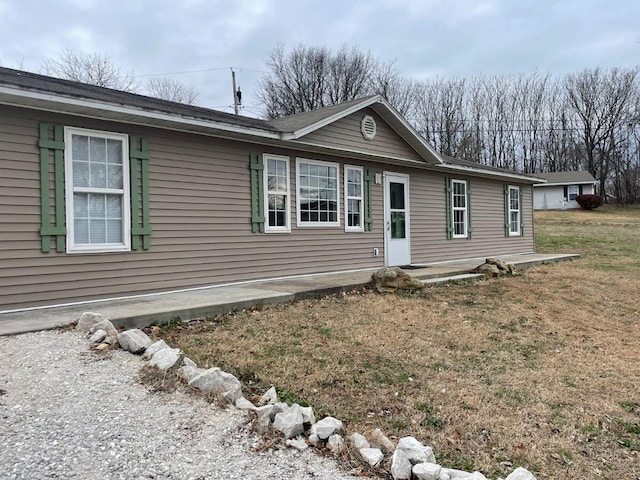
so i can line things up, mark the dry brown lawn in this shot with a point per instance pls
(540, 370)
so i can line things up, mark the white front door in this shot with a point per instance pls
(397, 250)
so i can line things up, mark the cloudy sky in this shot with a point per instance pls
(425, 38)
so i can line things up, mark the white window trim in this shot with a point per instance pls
(576, 189)
(347, 197)
(265, 178)
(519, 210)
(301, 224)
(454, 209)
(125, 246)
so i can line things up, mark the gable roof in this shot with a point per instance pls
(298, 125)
(566, 178)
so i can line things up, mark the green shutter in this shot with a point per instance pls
(521, 212)
(449, 207)
(368, 220)
(469, 224)
(46, 145)
(139, 179)
(506, 210)
(256, 166)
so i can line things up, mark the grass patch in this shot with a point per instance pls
(537, 370)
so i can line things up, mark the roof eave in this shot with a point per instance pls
(561, 184)
(480, 172)
(41, 100)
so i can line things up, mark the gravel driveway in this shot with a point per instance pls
(66, 412)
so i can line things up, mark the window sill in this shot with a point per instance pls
(99, 249)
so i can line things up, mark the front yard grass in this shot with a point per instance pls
(539, 370)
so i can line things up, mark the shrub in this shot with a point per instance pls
(589, 202)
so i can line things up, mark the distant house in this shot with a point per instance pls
(561, 190)
(107, 194)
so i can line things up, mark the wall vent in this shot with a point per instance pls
(368, 127)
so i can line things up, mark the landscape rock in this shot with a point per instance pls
(98, 336)
(314, 439)
(373, 456)
(270, 397)
(244, 404)
(289, 421)
(153, 348)
(427, 471)
(358, 441)
(134, 340)
(263, 418)
(335, 442)
(218, 382)
(165, 358)
(88, 320)
(415, 451)
(187, 372)
(298, 443)
(400, 465)
(107, 326)
(455, 474)
(495, 267)
(390, 279)
(308, 416)
(520, 474)
(377, 439)
(187, 362)
(488, 270)
(327, 427)
(477, 476)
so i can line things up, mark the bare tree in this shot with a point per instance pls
(169, 89)
(603, 103)
(92, 68)
(307, 78)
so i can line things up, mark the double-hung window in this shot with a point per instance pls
(353, 199)
(276, 189)
(459, 208)
(572, 192)
(97, 191)
(318, 195)
(514, 211)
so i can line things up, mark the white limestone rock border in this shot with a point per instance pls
(408, 460)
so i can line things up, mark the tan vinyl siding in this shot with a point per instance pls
(200, 215)
(428, 221)
(346, 134)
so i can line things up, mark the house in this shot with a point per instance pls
(106, 194)
(561, 189)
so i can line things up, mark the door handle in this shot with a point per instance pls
(388, 226)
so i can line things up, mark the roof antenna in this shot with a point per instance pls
(237, 94)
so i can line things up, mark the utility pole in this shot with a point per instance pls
(235, 94)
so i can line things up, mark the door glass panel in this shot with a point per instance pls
(396, 196)
(397, 225)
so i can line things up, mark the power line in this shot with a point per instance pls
(179, 73)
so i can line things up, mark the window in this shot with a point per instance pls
(353, 204)
(318, 195)
(572, 192)
(97, 191)
(276, 190)
(459, 208)
(514, 211)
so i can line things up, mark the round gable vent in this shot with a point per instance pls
(368, 127)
